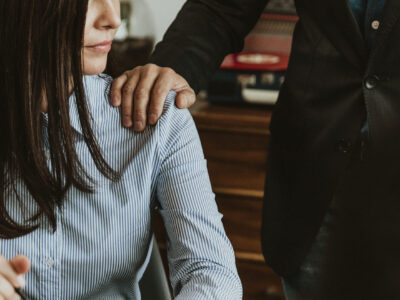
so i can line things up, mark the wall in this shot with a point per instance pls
(164, 12)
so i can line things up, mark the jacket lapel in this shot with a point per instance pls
(342, 29)
(390, 17)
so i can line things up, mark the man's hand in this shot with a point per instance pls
(142, 93)
(12, 275)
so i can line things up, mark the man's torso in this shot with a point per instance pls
(334, 84)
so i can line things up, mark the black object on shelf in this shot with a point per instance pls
(285, 7)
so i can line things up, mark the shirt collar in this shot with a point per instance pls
(73, 114)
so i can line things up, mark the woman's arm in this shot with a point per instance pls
(201, 258)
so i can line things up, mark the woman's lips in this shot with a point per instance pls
(104, 47)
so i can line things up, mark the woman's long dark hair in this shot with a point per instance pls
(40, 58)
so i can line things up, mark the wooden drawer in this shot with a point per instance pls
(259, 281)
(232, 118)
(241, 148)
(242, 221)
(235, 160)
(234, 176)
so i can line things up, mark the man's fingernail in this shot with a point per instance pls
(152, 118)
(138, 125)
(184, 102)
(21, 281)
(114, 100)
(127, 121)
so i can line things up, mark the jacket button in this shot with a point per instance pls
(344, 146)
(371, 82)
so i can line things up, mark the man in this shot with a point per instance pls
(331, 212)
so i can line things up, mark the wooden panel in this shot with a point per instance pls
(235, 140)
(159, 229)
(233, 118)
(230, 175)
(259, 281)
(235, 147)
(242, 222)
(235, 160)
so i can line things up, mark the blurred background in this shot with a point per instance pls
(163, 13)
(144, 23)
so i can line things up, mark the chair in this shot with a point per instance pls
(154, 284)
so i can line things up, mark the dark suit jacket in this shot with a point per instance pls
(332, 85)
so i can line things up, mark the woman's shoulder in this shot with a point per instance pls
(174, 119)
(176, 128)
(171, 113)
(98, 88)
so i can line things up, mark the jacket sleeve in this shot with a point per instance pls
(203, 33)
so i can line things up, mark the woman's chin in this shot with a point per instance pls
(94, 67)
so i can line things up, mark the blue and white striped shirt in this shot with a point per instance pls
(101, 247)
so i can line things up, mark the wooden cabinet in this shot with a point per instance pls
(235, 141)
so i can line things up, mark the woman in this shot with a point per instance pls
(78, 191)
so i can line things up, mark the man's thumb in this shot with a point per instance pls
(185, 98)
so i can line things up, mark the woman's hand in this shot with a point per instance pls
(142, 92)
(12, 276)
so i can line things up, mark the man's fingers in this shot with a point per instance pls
(127, 96)
(144, 90)
(185, 98)
(159, 94)
(142, 96)
(116, 87)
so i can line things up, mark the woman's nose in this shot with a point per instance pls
(110, 17)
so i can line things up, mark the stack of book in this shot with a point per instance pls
(256, 74)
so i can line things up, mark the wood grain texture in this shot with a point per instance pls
(259, 281)
(242, 222)
(232, 118)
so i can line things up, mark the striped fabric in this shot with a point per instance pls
(101, 247)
